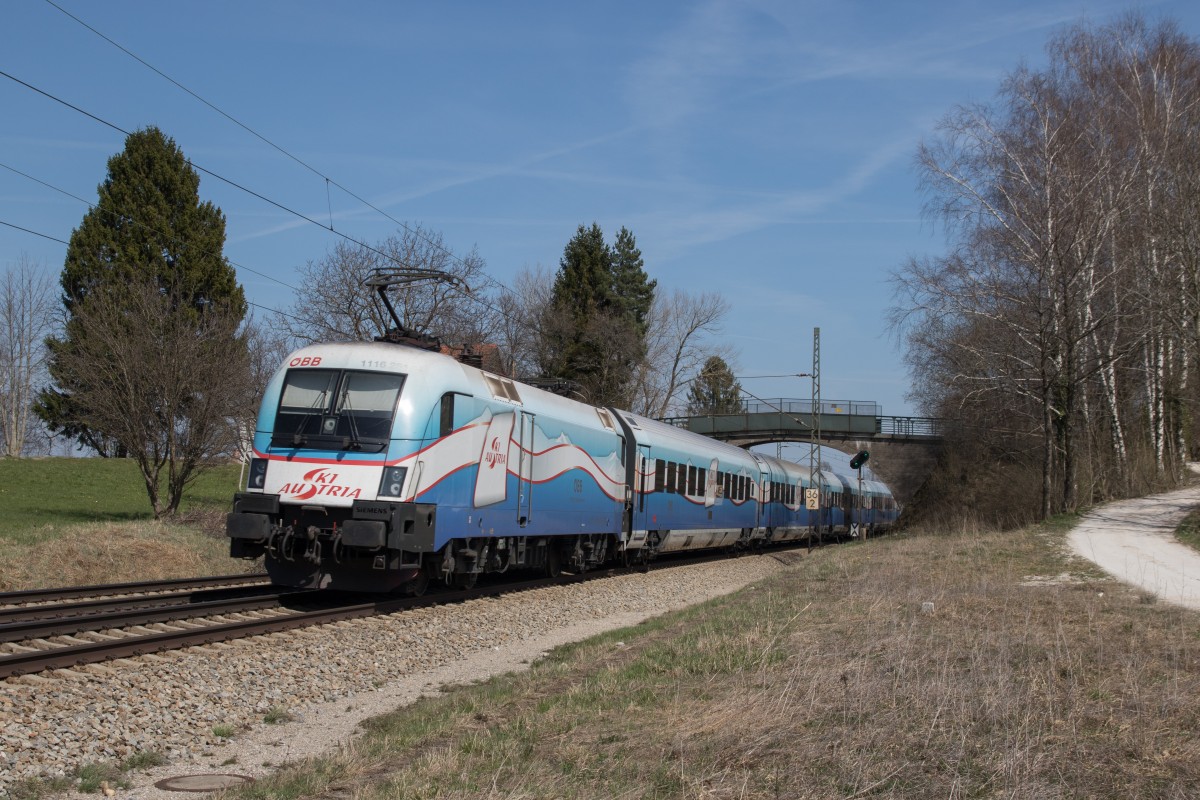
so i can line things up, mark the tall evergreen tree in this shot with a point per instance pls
(148, 224)
(583, 286)
(715, 390)
(632, 290)
(595, 325)
(148, 233)
(149, 221)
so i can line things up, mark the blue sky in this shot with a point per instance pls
(760, 149)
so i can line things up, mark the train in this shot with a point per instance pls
(383, 467)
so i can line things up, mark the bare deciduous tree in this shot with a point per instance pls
(679, 340)
(518, 322)
(1066, 309)
(333, 304)
(166, 381)
(27, 303)
(267, 347)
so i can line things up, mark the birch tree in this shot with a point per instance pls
(26, 318)
(1071, 282)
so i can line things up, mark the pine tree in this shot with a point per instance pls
(144, 262)
(148, 224)
(595, 326)
(632, 290)
(715, 390)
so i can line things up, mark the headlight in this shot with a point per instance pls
(258, 473)
(392, 484)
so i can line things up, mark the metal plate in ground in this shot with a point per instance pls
(202, 783)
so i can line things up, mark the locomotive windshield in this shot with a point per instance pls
(331, 409)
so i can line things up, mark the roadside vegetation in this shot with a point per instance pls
(1188, 531)
(76, 521)
(937, 666)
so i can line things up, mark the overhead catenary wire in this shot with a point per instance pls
(35, 233)
(139, 224)
(64, 241)
(282, 150)
(203, 169)
(491, 281)
(264, 198)
(789, 375)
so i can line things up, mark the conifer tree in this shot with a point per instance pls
(148, 224)
(715, 390)
(594, 328)
(147, 261)
(632, 290)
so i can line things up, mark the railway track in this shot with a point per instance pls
(64, 651)
(31, 596)
(45, 642)
(44, 622)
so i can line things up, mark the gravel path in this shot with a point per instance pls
(1134, 540)
(329, 678)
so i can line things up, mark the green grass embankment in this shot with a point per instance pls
(72, 521)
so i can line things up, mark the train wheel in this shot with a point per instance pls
(417, 586)
(553, 561)
(465, 580)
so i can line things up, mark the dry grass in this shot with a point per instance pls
(829, 681)
(89, 553)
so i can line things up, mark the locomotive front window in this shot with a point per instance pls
(332, 409)
(308, 390)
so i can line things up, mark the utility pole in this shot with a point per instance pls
(814, 457)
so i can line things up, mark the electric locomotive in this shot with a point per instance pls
(381, 467)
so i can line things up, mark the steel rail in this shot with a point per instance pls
(42, 628)
(103, 589)
(179, 599)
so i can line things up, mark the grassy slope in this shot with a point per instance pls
(86, 520)
(828, 681)
(40, 495)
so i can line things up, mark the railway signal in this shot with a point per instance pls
(859, 459)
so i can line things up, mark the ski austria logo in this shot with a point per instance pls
(319, 481)
(493, 457)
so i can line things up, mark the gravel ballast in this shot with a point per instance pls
(327, 678)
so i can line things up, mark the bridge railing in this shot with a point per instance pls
(864, 408)
(838, 419)
(790, 411)
(911, 426)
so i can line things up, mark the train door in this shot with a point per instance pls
(632, 454)
(817, 514)
(491, 481)
(644, 484)
(764, 480)
(525, 468)
(847, 506)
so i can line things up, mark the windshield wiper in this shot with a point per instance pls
(298, 438)
(350, 442)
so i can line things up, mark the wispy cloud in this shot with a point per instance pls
(678, 230)
(473, 174)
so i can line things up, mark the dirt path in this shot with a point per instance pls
(1134, 540)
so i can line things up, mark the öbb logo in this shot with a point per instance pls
(319, 481)
(493, 457)
(306, 361)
